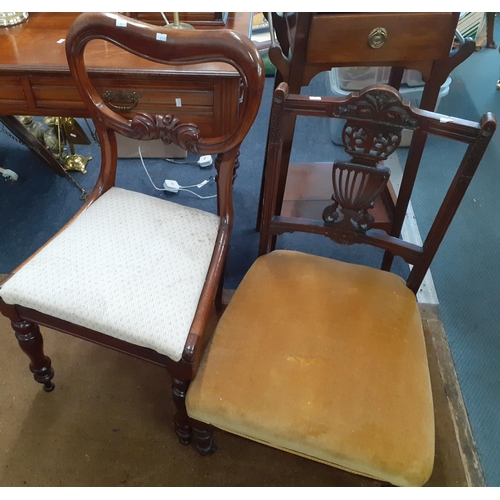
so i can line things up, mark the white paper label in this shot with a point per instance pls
(161, 36)
(314, 98)
(178, 102)
(121, 23)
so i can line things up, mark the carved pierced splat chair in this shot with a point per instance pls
(153, 268)
(327, 359)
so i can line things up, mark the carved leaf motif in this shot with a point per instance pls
(380, 105)
(168, 128)
(144, 127)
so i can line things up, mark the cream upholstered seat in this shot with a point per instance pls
(331, 365)
(151, 256)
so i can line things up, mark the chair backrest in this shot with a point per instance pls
(375, 119)
(172, 47)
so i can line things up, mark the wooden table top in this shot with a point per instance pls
(35, 46)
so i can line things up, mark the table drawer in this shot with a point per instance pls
(53, 92)
(410, 37)
(12, 95)
(190, 100)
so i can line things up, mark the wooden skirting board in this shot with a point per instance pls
(456, 453)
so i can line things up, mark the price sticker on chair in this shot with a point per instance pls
(162, 37)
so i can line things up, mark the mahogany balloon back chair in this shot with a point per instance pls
(153, 268)
(323, 358)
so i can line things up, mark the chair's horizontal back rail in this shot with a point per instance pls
(434, 123)
(408, 251)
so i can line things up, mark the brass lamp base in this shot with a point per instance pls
(177, 25)
(180, 26)
(12, 18)
(77, 163)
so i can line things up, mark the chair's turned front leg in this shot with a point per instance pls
(31, 342)
(181, 420)
(203, 439)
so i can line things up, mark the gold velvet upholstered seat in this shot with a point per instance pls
(327, 359)
(331, 365)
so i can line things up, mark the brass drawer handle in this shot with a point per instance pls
(122, 96)
(377, 37)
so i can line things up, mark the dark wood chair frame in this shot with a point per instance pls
(375, 118)
(174, 47)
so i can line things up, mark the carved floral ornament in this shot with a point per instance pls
(374, 124)
(365, 142)
(168, 128)
(363, 139)
(383, 106)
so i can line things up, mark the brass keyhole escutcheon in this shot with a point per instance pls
(377, 37)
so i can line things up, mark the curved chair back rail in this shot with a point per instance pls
(174, 47)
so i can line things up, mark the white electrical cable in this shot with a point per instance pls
(200, 185)
(203, 161)
(146, 170)
(180, 162)
(181, 188)
(196, 194)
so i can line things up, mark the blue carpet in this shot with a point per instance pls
(465, 271)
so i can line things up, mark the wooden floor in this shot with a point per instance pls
(108, 423)
(457, 462)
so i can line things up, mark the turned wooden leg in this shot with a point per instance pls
(31, 342)
(490, 28)
(204, 442)
(181, 419)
